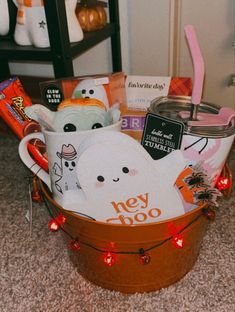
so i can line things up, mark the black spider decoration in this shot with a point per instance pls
(196, 179)
(207, 195)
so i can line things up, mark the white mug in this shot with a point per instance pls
(62, 150)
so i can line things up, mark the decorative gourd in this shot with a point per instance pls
(91, 14)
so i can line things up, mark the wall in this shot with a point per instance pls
(145, 28)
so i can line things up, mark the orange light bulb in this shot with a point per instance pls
(178, 241)
(109, 258)
(53, 225)
(222, 183)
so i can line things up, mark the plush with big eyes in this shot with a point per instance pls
(122, 184)
(74, 115)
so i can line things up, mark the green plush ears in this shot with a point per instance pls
(41, 114)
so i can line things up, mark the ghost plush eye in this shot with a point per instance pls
(83, 91)
(100, 178)
(69, 127)
(125, 170)
(73, 164)
(97, 125)
(91, 91)
(66, 164)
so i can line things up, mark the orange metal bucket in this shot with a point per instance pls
(168, 264)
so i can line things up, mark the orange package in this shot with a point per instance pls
(13, 100)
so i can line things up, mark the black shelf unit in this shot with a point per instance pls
(61, 51)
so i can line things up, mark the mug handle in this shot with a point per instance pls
(29, 161)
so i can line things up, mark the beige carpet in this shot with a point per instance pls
(37, 275)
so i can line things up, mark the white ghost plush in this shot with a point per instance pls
(88, 89)
(122, 184)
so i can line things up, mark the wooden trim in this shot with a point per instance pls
(174, 37)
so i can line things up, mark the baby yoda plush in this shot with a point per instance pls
(74, 115)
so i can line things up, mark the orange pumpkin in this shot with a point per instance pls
(91, 17)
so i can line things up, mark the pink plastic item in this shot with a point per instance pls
(223, 118)
(198, 64)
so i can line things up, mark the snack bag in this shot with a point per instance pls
(13, 100)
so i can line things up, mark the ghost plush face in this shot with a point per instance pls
(88, 89)
(74, 117)
(121, 183)
(115, 173)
